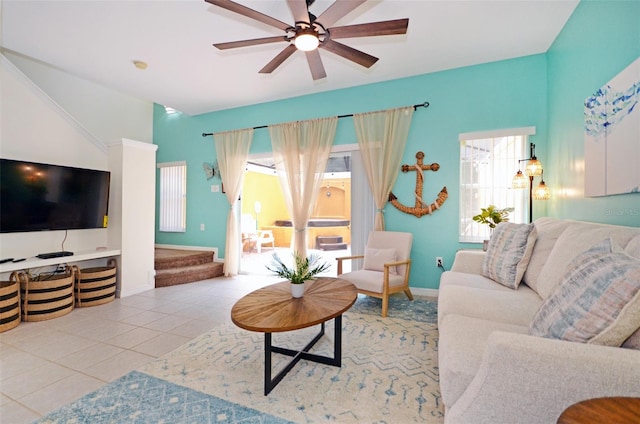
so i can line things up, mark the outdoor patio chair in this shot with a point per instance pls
(265, 237)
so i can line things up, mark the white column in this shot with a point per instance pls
(132, 213)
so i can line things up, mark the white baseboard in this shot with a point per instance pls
(216, 258)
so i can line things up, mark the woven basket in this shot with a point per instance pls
(95, 286)
(46, 297)
(9, 303)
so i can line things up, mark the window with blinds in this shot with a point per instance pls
(488, 162)
(173, 197)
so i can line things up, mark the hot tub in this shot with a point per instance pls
(331, 227)
(317, 222)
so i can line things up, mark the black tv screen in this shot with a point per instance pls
(37, 197)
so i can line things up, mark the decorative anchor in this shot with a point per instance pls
(420, 208)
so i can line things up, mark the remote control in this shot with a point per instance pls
(19, 260)
(5, 260)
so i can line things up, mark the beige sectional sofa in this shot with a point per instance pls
(492, 370)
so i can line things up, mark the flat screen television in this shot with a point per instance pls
(37, 197)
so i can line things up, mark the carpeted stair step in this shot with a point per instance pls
(174, 266)
(174, 258)
(188, 274)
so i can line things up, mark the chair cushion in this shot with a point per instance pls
(374, 259)
(508, 253)
(598, 300)
(399, 241)
(365, 279)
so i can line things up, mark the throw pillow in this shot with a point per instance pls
(508, 253)
(573, 241)
(598, 300)
(374, 259)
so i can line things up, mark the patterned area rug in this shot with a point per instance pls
(389, 374)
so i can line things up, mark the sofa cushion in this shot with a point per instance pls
(547, 232)
(577, 238)
(509, 306)
(508, 253)
(374, 259)
(460, 349)
(598, 301)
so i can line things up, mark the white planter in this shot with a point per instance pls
(297, 290)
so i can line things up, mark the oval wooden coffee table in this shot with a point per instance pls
(610, 410)
(272, 309)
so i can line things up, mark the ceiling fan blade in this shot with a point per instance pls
(299, 10)
(337, 10)
(361, 58)
(278, 60)
(397, 26)
(250, 13)
(315, 64)
(245, 43)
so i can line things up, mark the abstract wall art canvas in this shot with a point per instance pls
(612, 135)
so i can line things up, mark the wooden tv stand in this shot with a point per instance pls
(34, 262)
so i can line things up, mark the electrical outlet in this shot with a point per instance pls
(439, 262)
(201, 227)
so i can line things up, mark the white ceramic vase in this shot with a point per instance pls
(297, 290)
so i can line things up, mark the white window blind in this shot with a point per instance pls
(488, 162)
(173, 197)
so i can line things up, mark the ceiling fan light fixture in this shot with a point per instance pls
(307, 40)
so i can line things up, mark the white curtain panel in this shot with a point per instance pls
(382, 136)
(232, 150)
(300, 151)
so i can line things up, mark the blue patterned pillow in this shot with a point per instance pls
(508, 253)
(598, 300)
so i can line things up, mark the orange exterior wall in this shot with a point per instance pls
(263, 188)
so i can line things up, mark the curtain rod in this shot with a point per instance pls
(415, 107)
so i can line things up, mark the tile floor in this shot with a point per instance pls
(45, 365)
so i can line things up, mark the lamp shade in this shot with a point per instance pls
(307, 40)
(534, 168)
(519, 180)
(541, 192)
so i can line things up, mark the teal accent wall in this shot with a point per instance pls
(601, 39)
(497, 95)
(546, 91)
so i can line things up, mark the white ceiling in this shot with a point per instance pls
(98, 40)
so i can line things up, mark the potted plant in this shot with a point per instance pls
(492, 216)
(304, 269)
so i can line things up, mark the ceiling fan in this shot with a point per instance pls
(310, 33)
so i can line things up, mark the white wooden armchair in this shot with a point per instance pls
(265, 237)
(387, 262)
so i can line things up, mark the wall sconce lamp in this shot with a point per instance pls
(533, 169)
